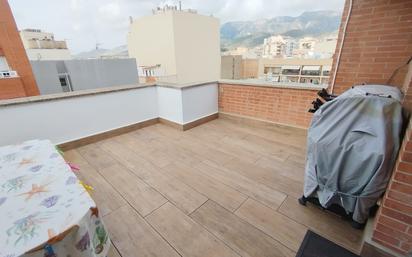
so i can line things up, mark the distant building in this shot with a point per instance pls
(73, 75)
(231, 67)
(305, 48)
(41, 45)
(16, 76)
(314, 71)
(176, 45)
(325, 48)
(248, 53)
(278, 46)
(250, 68)
(236, 67)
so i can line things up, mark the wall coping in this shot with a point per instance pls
(87, 92)
(96, 91)
(288, 85)
(184, 85)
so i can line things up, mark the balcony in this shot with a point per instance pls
(222, 183)
(166, 171)
(215, 168)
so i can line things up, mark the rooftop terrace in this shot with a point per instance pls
(225, 188)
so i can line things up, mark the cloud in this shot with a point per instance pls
(110, 10)
(85, 23)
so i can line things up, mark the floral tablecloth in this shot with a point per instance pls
(44, 210)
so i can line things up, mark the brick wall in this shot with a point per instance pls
(11, 88)
(393, 227)
(279, 105)
(378, 40)
(12, 48)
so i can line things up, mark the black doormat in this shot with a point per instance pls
(314, 245)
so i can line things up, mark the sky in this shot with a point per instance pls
(84, 23)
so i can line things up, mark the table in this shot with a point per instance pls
(44, 209)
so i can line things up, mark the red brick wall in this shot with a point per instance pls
(393, 227)
(11, 88)
(12, 48)
(279, 105)
(378, 40)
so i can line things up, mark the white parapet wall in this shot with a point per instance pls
(64, 119)
(170, 104)
(70, 116)
(199, 102)
(187, 103)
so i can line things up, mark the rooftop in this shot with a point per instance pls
(230, 186)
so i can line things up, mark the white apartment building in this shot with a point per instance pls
(325, 48)
(41, 45)
(181, 45)
(278, 46)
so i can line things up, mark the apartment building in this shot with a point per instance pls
(171, 40)
(314, 71)
(231, 67)
(74, 75)
(41, 45)
(325, 48)
(16, 76)
(278, 46)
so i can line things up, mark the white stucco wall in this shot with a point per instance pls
(170, 104)
(68, 119)
(186, 45)
(199, 102)
(197, 47)
(150, 41)
(48, 54)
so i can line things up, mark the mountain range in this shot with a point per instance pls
(252, 33)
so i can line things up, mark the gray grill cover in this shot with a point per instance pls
(353, 142)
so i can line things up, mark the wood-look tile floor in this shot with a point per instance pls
(220, 189)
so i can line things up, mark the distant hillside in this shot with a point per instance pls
(98, 53)
(252, 33)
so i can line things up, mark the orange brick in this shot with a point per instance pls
(392, 223)
(405, 167)
(403, 177)
(383, 237)
(394, 214)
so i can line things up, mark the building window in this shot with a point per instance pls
(291, 70)
(4, 66)
(326, 70)
(63, 81)
(311, 71)
(326, 73)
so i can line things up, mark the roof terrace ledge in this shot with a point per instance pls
(42, 98)
(87, 92)
(288, 85)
